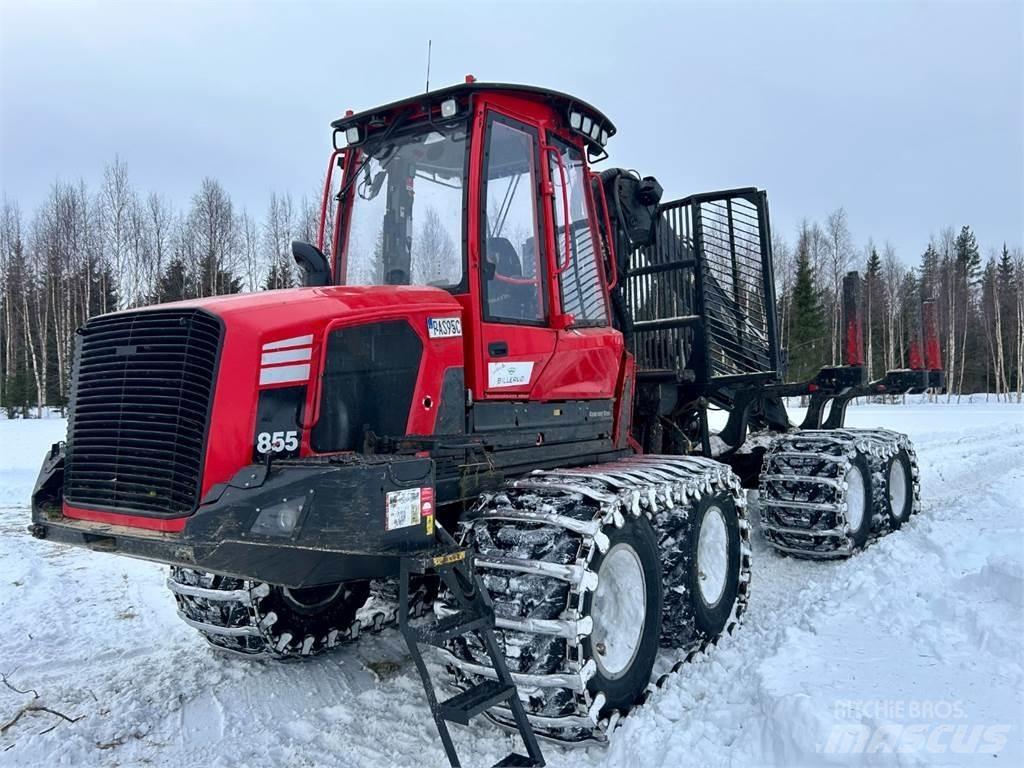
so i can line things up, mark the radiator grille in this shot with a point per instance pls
(143, 384)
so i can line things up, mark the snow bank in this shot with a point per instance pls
(23, 444)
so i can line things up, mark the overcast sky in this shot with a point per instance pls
(909, 115)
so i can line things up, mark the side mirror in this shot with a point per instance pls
(376, 184)
(315, 267)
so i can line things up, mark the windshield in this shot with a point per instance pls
(406, 221)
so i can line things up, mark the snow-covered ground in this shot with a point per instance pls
(908, 654)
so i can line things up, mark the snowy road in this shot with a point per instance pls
(908, 654)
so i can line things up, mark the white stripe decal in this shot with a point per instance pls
(284, 373)
(297, 341)
(288, 356)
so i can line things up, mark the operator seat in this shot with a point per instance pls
(508, 300)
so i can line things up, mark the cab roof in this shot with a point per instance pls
(562, 102)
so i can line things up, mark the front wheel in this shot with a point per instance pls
(626, 610)
(707, 569)
(256, 618)
(591, 570)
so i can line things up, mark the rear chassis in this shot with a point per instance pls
(340, 533)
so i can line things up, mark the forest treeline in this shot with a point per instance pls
(979, 299)
(84, 252)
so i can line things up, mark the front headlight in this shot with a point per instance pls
(279, 519)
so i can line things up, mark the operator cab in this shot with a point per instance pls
(484, 191)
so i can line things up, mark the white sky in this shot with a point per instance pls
(909, 115)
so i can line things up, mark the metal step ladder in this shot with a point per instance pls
(475, 615)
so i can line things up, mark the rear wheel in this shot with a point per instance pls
(828, 493)
(858, 501)
(899, 489)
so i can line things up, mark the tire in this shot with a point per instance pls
(311, 615)
(818, 494)
(858, 505)
(255, 618)
(626, 615)
(544, 547)
(699, 604)
(716, 526)
(828, 493)
(899, 489)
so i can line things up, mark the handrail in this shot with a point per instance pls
(613, 279)
(323, 203)
(560, 268)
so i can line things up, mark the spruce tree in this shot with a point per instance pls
(967, 262)
(174, 284)
(929, 273)
(968, 257)
(874, 314)
(1006, 270)
(874, 266)
(1007, 287)
(273, 278)
(807, 341)
(228, 282)
(280, 275)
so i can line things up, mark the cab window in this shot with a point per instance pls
(406, 218)
(512, 254)
(580, 282)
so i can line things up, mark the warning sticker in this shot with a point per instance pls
(402, 509)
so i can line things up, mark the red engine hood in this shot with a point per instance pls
(303, 317)
(354, 301)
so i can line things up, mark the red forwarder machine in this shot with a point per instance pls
(491, 398)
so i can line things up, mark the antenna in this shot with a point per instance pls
(429, 42)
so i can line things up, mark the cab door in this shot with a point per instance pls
(588, 352)
(516, 341)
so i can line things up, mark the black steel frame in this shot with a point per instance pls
(683, 244)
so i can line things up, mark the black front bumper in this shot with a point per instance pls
(341, 532)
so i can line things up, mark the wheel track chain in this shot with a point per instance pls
(550, 525)
(806, 516)
(231, 617)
